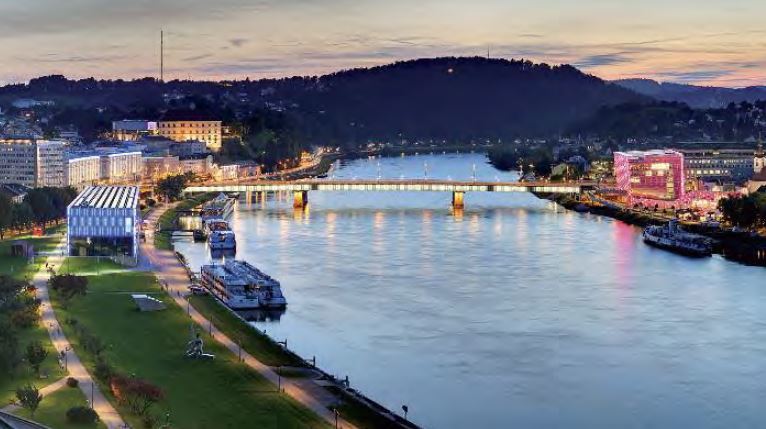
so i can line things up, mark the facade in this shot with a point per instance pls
(104, 221)
(656, 175)
(719, 165)
(759, 162)
(158, 167)
(32, 162)
(16, 193)
(122, 167)
(131, 129)
(191, 125)
(83, 171)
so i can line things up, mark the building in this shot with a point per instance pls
(158, 167)
(83, 170)
(182, 126)
(131, 129)
(730, 165)
(122, 166)
(104, 221)
(32, 162)
(15, 192)
(650, 177)
(759, 162)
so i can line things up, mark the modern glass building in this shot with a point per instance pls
(652, 175)
(104, 221)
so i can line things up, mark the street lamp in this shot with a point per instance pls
(406, 409)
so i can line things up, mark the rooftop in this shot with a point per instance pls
(113, 197)
(188, 115)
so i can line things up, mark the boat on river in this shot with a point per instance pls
(219, 207)
(240, 285)
(219, 235)
(671, 237)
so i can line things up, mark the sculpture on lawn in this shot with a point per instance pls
(194, 349)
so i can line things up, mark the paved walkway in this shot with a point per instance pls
(45, 391)
(75, 368)
(168, 269)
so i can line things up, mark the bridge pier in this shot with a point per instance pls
(457, 199)
(300, 199)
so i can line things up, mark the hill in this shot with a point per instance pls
(440, 98)
(701, 97)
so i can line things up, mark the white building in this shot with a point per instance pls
(122, 167)
(32, 162)
(104, 221)
(83, 171)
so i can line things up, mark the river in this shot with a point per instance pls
(514, 312)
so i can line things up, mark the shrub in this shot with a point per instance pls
(103, 371)
(81, 415)
(72, 382)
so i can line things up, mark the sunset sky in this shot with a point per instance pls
(716, 42)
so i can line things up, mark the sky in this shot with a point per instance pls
(706, 42)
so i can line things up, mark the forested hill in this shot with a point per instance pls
(444, 98)
(460, 98)
(700, 97)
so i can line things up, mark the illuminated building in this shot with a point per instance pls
(759, 162)
(32, 162)
(650, 177)
(719, 165)
(127, 129)
(185, 126)
(104, 221)
(122, 167)
(83, 170)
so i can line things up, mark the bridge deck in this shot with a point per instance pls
(394, 185)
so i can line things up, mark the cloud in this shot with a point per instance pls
(602, 60)
(238, 42)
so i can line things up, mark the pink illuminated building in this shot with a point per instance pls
(654, 177)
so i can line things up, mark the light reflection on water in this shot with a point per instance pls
(511, 313)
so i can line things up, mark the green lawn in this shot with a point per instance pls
(53, 408)
(254, 342)
(20, 268)
(199, 394)
(23, 374)
(167, 222)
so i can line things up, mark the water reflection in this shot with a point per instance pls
(510, 312)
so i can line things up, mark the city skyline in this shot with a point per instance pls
(705, 43)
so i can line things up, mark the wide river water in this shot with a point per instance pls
(513, 313)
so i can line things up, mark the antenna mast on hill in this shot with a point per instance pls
(162, 56)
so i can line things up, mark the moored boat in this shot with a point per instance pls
(240, 285)
(218, 208)
(672, 237)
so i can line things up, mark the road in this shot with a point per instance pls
(170, 271)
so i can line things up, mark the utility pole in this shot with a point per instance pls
(162, 56)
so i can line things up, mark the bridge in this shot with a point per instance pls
(301, 188)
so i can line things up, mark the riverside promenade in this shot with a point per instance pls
(172, 273)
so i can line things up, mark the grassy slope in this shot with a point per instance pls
(254, 342)
(200, 394)
(53, 408)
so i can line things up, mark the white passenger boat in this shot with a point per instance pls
(673, 238)
(242, 286)
(220, 207)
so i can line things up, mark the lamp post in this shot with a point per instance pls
(406, 409)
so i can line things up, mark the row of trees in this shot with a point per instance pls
(18, 311)
(744, 211)
(40, 206)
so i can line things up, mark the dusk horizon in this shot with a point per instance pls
(684, 42)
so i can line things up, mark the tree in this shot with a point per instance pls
(22, 215)
(170, 187)
(29, 397)
(6, 214)
(69, 285)
(139, 395)
(42, 206)
(36, 355)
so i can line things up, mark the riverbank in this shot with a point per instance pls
(741, 247)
